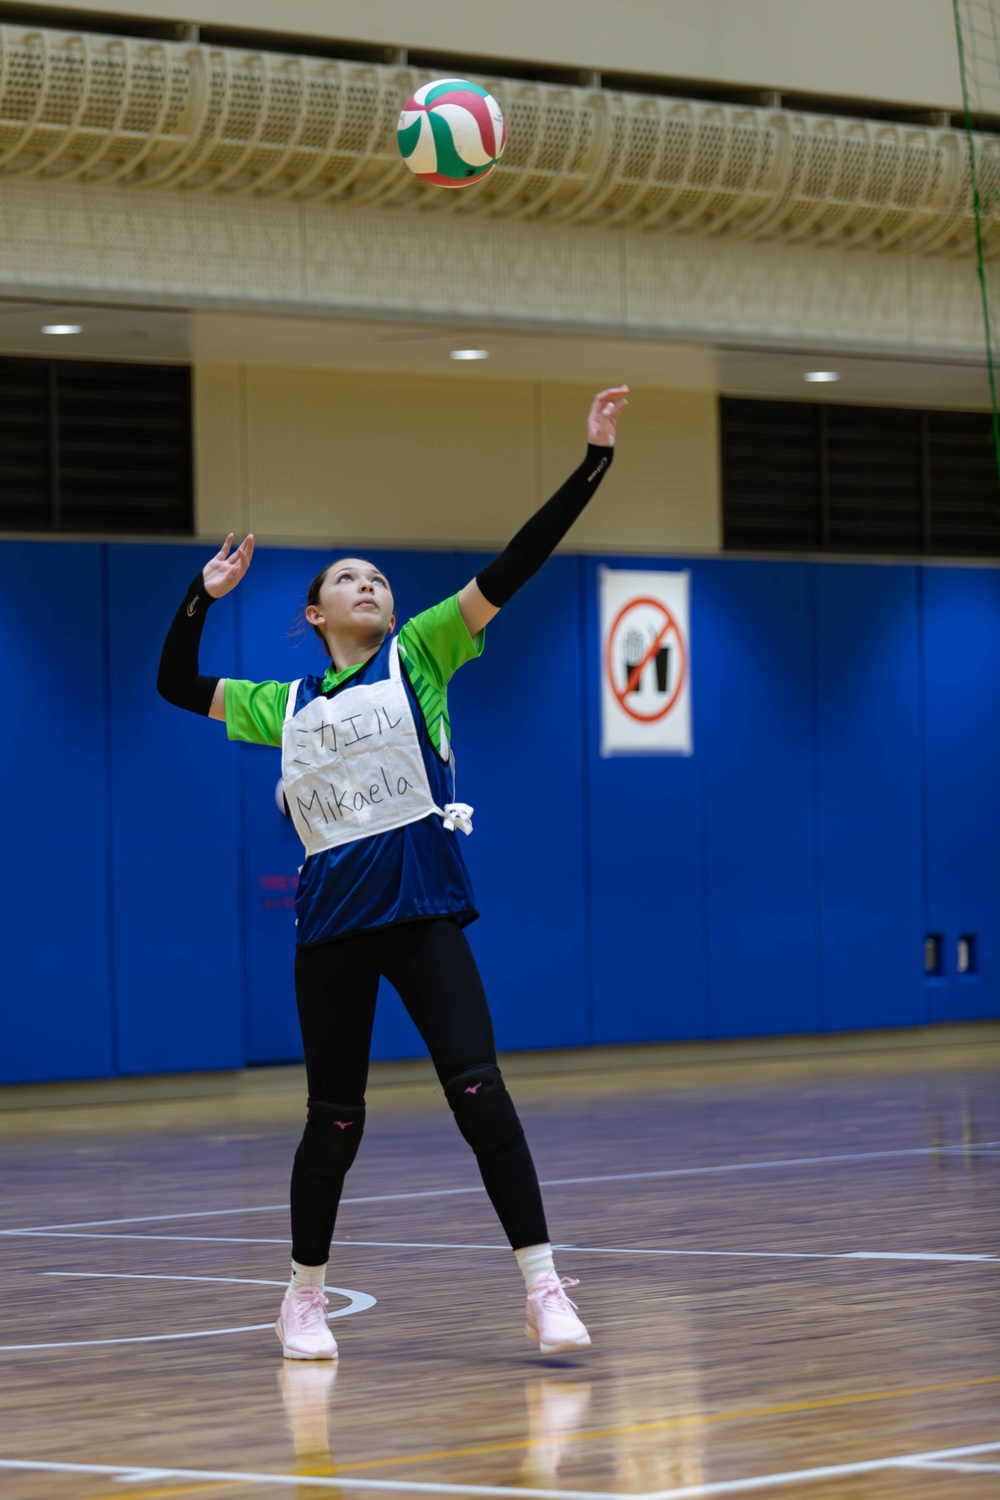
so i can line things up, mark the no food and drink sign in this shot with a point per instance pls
(645, 663)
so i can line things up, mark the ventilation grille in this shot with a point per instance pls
(770, 475)
(874, 464)
(965, 509)
(95, 447)
(803, 477)
(145, 113)
(24, 445)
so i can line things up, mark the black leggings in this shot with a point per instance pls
(431, 965)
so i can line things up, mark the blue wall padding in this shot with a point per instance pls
(961, 646)
(647, 931)
(841, 804)
(869, 796)
(753, 728)
(57, 1006)
(524, 774)
(176, 834)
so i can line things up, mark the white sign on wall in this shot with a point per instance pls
(645, 663)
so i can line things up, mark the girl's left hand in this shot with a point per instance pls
(603, 416)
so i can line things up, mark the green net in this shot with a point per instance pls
(977, 28)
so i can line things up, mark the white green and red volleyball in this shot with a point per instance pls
(451, 132)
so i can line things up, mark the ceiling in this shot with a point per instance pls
(135, 333)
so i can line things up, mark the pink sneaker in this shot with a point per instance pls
(550, 1318)
(302, 1326)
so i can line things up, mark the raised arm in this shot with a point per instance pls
(179, 680)
(484, 596)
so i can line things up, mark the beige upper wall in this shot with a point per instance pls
(69, 243)
(325, 457)
(902, 50)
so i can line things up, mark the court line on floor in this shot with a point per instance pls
(806, 1476)
(926, 1256)
(356, 1302)
(695, 1419)
(153, 1239)
(216, 1213)
(892, 1255)
(139, 1474)
(699, 1419)
(739, 1166)
(170, 1276)
(952, 1466)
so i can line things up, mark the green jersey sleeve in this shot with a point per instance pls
(434, 645)
(255, 711)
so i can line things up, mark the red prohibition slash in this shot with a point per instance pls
(636, 672)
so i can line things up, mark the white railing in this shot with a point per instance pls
(111, 110)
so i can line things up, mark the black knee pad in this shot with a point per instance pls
(483, 1109)
(331, 1138)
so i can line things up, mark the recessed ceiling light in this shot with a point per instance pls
(818, 375)
(62, 328)
(470, 354)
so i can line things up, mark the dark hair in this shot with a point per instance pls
(312, 597)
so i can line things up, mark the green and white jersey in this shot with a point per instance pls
(432, 645)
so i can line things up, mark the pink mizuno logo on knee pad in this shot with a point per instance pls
(474, 1089)
(344, 1124)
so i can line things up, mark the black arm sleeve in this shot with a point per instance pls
(178, 680)
(537, 538)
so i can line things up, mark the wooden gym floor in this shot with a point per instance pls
(788, 1265)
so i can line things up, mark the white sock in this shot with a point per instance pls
(306, 1276)
(535, 1262)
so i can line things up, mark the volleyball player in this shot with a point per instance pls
(367, 772)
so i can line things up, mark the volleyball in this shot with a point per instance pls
(451, 133)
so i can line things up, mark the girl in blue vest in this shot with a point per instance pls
(368, 780)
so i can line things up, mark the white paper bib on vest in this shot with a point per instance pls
(351, 765)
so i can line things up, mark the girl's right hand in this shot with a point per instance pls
(222, 572)
(602, 419)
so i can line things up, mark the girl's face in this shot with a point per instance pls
(354, 599)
